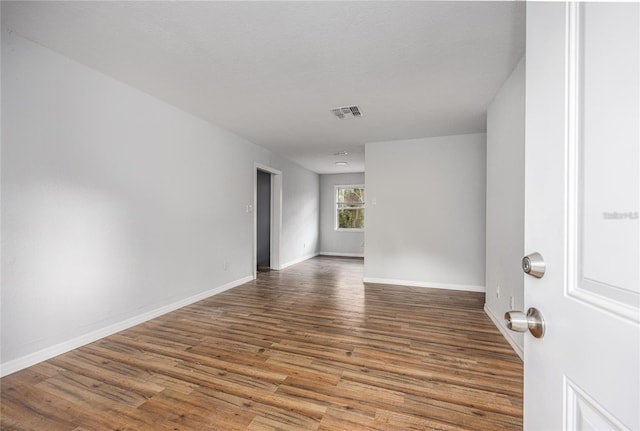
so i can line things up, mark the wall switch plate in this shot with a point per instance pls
(512, 303)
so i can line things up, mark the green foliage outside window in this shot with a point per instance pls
(350, 207)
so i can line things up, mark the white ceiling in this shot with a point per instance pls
(270, 71)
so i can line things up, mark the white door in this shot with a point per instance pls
(581, 215)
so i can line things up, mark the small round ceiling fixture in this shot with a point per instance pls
(342, 163)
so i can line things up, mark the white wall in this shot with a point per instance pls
(426, 212)
(117, 207)
(333, 242)
(300, 212)
(505, 202)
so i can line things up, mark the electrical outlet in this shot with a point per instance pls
(225, 265)
(304, 245)
(512, 302)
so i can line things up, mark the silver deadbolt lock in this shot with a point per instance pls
(533, 264)
(519, 322)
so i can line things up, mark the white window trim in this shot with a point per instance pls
(335, 207)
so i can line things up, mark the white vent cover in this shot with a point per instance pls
(346, 112)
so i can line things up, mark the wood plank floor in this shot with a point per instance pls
(307, 348)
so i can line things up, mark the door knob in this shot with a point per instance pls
(533, 264)
(519, 322)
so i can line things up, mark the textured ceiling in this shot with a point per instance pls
(270, 71)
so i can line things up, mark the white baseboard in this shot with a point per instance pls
(330, 253)
(300, 259)
(432, 285)
(52, 351)
(505, 332)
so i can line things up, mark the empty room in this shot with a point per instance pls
(324, 215)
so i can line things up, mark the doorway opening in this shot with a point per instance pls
(267, 218)
(263, 221)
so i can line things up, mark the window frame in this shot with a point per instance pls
(336, 209)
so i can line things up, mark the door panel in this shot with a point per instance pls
(584, 413)
(581, 213)
(606, 153)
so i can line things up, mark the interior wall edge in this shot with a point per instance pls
(508, 335)
(330, 253)
(298, 260)
(426, 284)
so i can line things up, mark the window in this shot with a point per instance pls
(349, 207)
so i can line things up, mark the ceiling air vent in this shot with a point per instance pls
(346, 112)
